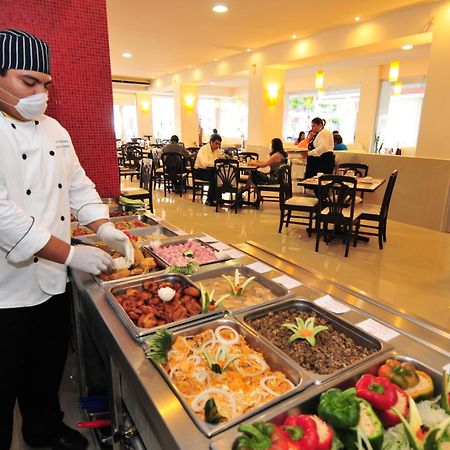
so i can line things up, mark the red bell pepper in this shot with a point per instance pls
(378, 391)
(302, 431)
(388, 417)
(325, 433)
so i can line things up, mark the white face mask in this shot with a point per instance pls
(30, 107)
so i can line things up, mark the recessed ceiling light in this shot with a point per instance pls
(127, 55)
(294, 36)
(216, 59)
(407, 47)
(220, 8)
(212, 83)
(249, 50)
(189, 67)
(357, 19)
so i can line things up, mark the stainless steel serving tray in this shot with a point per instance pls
(149, 231)
(305, 403)
(358, 335)
(138, 332)
(275, 359)
(142, 217)
(279, 291)
(221, 255)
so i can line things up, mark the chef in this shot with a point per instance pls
(41, 184)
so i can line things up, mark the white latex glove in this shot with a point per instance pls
(116, 240)
(89, 259)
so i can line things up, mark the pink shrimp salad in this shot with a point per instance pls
(176, 254)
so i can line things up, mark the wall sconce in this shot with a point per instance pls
(320, 93)
(272, 93)
(145, 106)
(189, 101)
(319, 79)
(394, 70)
(398, 88)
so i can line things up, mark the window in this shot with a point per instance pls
(339, 108)
(228, 114)
(125, 117)
(163, 110)
(399, 115)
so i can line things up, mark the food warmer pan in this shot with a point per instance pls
(237, 304)
(139, 332)
(275, 359)
(343, 334)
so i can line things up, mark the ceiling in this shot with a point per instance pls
(167, 36)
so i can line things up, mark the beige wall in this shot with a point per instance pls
(422, 193)
(144, 114)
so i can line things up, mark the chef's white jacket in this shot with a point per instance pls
(41, 183)
(323, 143)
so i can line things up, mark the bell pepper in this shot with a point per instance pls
(368, 426)
(445, 393)
(387, 416)
(424, 389)
(378, 391)
(302, 431)
(339, 409)
(403, 374)
(414, 429)
(325, 433)
(262, 436)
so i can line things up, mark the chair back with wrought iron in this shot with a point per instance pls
(173, 164)
(359, 170)
(336, 199)
(245, 157)
(388, 195)
(133, 155)
(227, 175)
(285, 180)
(146, 181)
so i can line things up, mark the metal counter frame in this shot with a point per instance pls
(158, 416)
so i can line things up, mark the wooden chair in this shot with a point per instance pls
(132, 154)
(227, 181)
(144, 191)
(358, 170)
(290, 205)
(378, 214)
(336, 207)
(198, 185)
(174, 172)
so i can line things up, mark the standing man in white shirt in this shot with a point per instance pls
(204, 165)
(41, 184)
(320, 154)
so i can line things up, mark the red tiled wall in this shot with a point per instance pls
(81, 93)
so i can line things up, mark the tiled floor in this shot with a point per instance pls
(412, 272)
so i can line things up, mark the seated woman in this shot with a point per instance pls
(300, 138)
(320, 150)
(277, 158)
(306, 140)
(338, 145)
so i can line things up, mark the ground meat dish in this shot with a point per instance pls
(333, 350)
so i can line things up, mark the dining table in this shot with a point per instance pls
(362, 185)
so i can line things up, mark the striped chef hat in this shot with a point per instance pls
(23, 51)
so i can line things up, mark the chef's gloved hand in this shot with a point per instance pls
(116, 240)
(89, 259)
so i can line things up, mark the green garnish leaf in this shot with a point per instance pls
(159, 345)
(212, 414)
(304, 330)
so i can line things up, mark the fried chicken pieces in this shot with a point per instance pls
(147, 310)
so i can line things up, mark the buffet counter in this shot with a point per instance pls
(135, 384)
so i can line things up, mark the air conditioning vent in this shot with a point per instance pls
(132, 82)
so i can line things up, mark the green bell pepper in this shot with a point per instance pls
(369, 424)
(339, 409)
(256, 436)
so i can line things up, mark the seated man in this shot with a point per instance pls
(204, 165)
(175, 147)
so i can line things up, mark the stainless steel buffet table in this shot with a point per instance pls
(159, 417)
